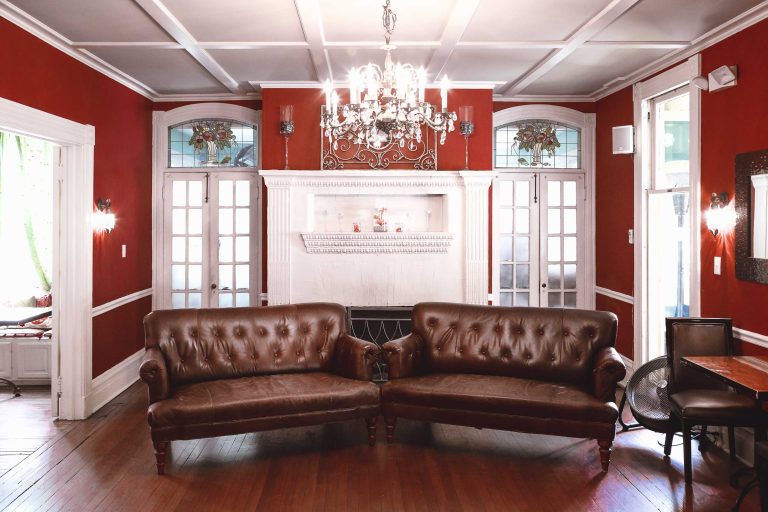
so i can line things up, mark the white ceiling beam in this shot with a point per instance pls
(462, 14)
(133, 44)
(587, 31)
(163, 17)
(378, 44)
(522, 45)
(312, 25)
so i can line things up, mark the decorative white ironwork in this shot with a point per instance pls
(377, 243)
(386, 114)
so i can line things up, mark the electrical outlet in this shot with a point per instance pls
(124, 250)
(631, 236)
(717, 265)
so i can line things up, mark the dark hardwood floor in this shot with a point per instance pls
(106, 463)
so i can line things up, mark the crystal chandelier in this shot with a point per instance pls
(386, 106)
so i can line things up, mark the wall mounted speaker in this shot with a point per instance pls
(623, 140)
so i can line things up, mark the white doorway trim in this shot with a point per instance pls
(643, 92)
(72, 249)
(585, 122)
(161, 121)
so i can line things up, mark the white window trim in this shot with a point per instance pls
(73, 250)
(161, 121)
(642, 93)
(586, 123)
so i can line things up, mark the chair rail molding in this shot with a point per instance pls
(623, 297)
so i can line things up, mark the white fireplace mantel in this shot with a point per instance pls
(314, 255)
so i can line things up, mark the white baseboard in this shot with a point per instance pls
(111, 383)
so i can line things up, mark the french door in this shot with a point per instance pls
(540, 240)
(210, 239)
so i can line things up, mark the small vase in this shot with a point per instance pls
(536, 153)
(212, 154)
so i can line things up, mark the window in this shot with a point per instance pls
(212, 143)
(537, 143)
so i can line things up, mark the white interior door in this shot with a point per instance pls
(540, 240)
(211, 239)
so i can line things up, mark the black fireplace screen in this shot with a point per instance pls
(379, 325)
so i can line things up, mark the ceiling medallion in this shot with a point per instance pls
(384, 120)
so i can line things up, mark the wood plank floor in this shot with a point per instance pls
(106, 463)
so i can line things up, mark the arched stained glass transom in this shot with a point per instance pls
(212, 143)
(537, 144)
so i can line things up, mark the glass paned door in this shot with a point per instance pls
(210, 249)
(540, 239)
(187, 234)
(517, 206)
(562, 202)
(233, 216)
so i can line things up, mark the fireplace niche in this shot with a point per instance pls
(322, 244)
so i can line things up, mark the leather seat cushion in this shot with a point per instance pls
(500, 394)
(714, 407)
(247, 398)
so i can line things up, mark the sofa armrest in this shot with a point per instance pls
(354, 358)
(405, 356)
(608, 371)
(154, 372)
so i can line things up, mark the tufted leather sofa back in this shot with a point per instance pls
(537, 343)
(206, 344)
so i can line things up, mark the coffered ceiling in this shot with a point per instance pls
(523, 49)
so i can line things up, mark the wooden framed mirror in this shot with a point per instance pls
(752, 216)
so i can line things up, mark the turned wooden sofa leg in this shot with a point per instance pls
(605, 452)
(160, 449)
(390, 429)
(371, 423)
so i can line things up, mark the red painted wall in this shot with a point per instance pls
(732, 122)
(49, 80)
(304, 144)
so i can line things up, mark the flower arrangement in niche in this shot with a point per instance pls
(536, 137)
(212, 135)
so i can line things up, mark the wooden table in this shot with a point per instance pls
(748, 375)
(20, 317)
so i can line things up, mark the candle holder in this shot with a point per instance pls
(286, 127)
(466, 128)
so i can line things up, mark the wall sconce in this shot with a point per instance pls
(720, 216)
(104, 219)
(286, 127)
(466, 128)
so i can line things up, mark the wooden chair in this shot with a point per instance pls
(696, 398)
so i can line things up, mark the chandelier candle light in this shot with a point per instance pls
(286, 127)
(386, 106)
(466, 128)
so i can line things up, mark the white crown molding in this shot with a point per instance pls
(120, 302)
(714, 36)
(377, 243)
(543, 98)
(178, 98)
(623, 297)
(26, 22)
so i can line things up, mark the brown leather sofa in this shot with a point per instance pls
(545, 371)
(214, 372)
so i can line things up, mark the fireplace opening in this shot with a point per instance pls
(379, 325)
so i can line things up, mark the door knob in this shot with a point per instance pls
(543, 285)
(213, 286)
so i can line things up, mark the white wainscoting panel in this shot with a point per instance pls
(6, 359)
